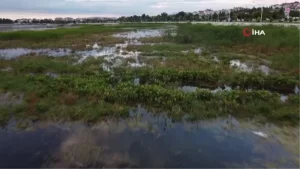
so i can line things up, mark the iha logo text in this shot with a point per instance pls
(249, 32)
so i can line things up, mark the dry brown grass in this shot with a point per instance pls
(68, 98)
(32, 101)
(93, 99)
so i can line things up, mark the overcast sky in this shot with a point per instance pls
(114, 8)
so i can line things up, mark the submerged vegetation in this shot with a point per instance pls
(60, 88)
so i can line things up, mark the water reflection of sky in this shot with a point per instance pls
(38, 27)
(144, 140)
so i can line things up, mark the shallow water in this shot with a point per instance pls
(191, 89)
(216, 59)
(106, 67)
(136, 81)
(7, 69)
(39, 27)
(296, 90)
(9, 99)
(105, 51)
(284, 98)
(265, 69)
(198, 51)
(224, 88)
(53, 75)
(249, 68)
(185, 51)
(17, 52)
(137, 65)
(109, 53)
(145, 140)
(188, 88)
(96, 46)
(14, 27)
(137, 62)
(240, 65)
(140, 34)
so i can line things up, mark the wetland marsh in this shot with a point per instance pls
(150, 95)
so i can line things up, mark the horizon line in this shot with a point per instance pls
(43, 15)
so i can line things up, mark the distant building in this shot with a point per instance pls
(286, 5)
(237, 9)
(201, 13)
(59, 19)
(24, 20)
(208, 12)
(277, 6)
(195, 13)
(68, 19)
(79, 20)
(226, 11)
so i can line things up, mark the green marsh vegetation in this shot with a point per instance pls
(74, 38)
(280, 45)
(208, 34)
(54, 34)
(86, 92)
(94, 96)
(167, 47)
(63, 32)
(213, 78)
(87, 95)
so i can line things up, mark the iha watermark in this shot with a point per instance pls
(252, 32)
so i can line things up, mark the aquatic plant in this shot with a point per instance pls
(212, 78)
(75, 98)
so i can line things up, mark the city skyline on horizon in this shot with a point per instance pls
(118, 8)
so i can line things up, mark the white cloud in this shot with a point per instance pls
(160, 5)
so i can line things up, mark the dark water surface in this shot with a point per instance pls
(33, 27)
(145, 140)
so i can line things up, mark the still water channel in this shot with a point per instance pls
(148, 140)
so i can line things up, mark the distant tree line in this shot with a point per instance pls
(6, 21)
(53, 21)
(246, 14)
(268, 14)
(243, 14)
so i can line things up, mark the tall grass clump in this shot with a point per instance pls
(208, 34)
